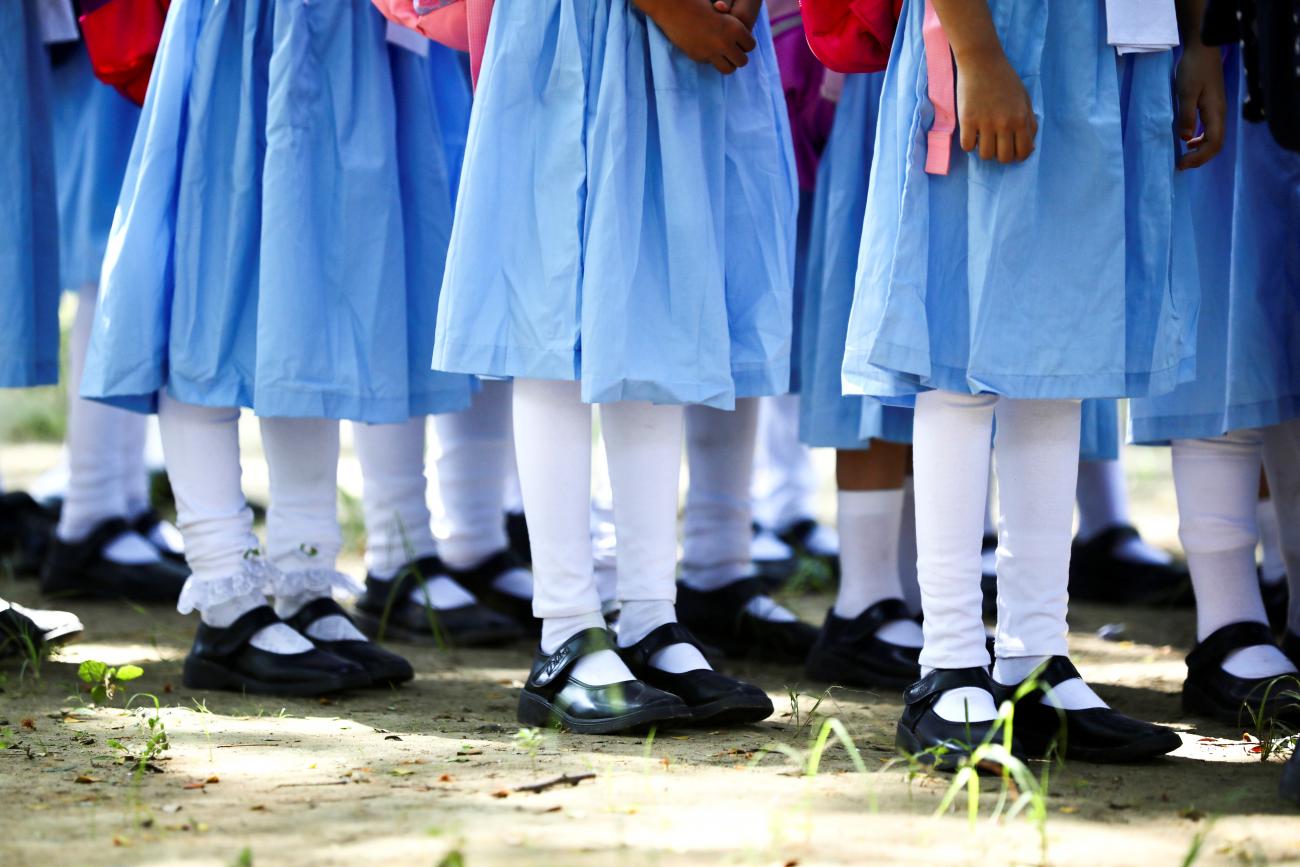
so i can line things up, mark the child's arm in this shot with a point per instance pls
(701, 32)
(994, 111)
(1200, 90)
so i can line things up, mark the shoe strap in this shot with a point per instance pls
(1113, 536)
(227, 641)
(1058, 670)
(92, 547)
(868, 623)
(1211, 652)
(660, 637)
(941, 680)
(146, 522)
(549, 671)
(734, 595)
(799, 532)
(317, 609)
(410, 577)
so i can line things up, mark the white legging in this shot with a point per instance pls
(553, 442)
(1037, 448)
(106, 472)
(394, 497)
(718, 518)
(201, 448)
(474, 465)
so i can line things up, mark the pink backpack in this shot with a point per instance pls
(459, 24)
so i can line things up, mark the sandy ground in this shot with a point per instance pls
(428, 774)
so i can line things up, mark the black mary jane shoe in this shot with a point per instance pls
(1289, 787)
(146, 523)
(81, 569)
(1097, 574)
(479, 581)
(1099, 734)
(932, 740)
(384, 667)
(799, 536)
(1209, 691)
(24, 631)
(386, 610)
(713, 697)
(26, 528)
(719, 618)
(224, 659)
(553, 697)
(849, 653)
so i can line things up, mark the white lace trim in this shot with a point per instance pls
(316, 582)
(255, 576)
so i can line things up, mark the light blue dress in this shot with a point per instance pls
(1052, 278)
(281, 229)
(626, 216)
(1247, 216)
(93, 129)
(29, 242)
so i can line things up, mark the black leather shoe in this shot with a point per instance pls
(1210, 691)
(1098, 734)
(1289, 788)
(479, 582)
(81, 569)
(26, 528)
(386, 610)
(935, 741)
(31, 630)
(145, 524)
(848, 652)
(719, 617)
(712, 697)
(553, 697)
(517, 533)
(384, 667)
(223, 659)
(1098, 575)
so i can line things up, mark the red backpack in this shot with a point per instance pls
(851, 35)
(122, 38)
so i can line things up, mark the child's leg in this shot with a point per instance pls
(870, 512)
(201, 448)
(303, 537)
(1102, 495)
(907, 547)
(718, 519)
(643, 443)
(1037, 457)
(952, 436)
(393, 500)
(783, 477)
(1217, 483)
(96, 432)
(553, 448)
(476, 457)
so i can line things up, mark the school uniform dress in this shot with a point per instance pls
(29, 244)
(282, 224)
(94, 126)
(986, 279)
(626, 215)
(1247, 207)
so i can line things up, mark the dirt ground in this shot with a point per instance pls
(429, 773)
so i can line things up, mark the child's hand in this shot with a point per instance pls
(703, 34)
(745, 10)
(994, 111)
(1200, 95)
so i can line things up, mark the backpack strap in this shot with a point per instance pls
(943, 93)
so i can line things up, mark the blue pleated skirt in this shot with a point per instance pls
(281, 230)
(29, 242)
(626, 216)
(93, 129)
(1247, 216)
(828, 418)
(1052, 278)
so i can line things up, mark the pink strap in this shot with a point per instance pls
(478, 16)
(943, 93)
